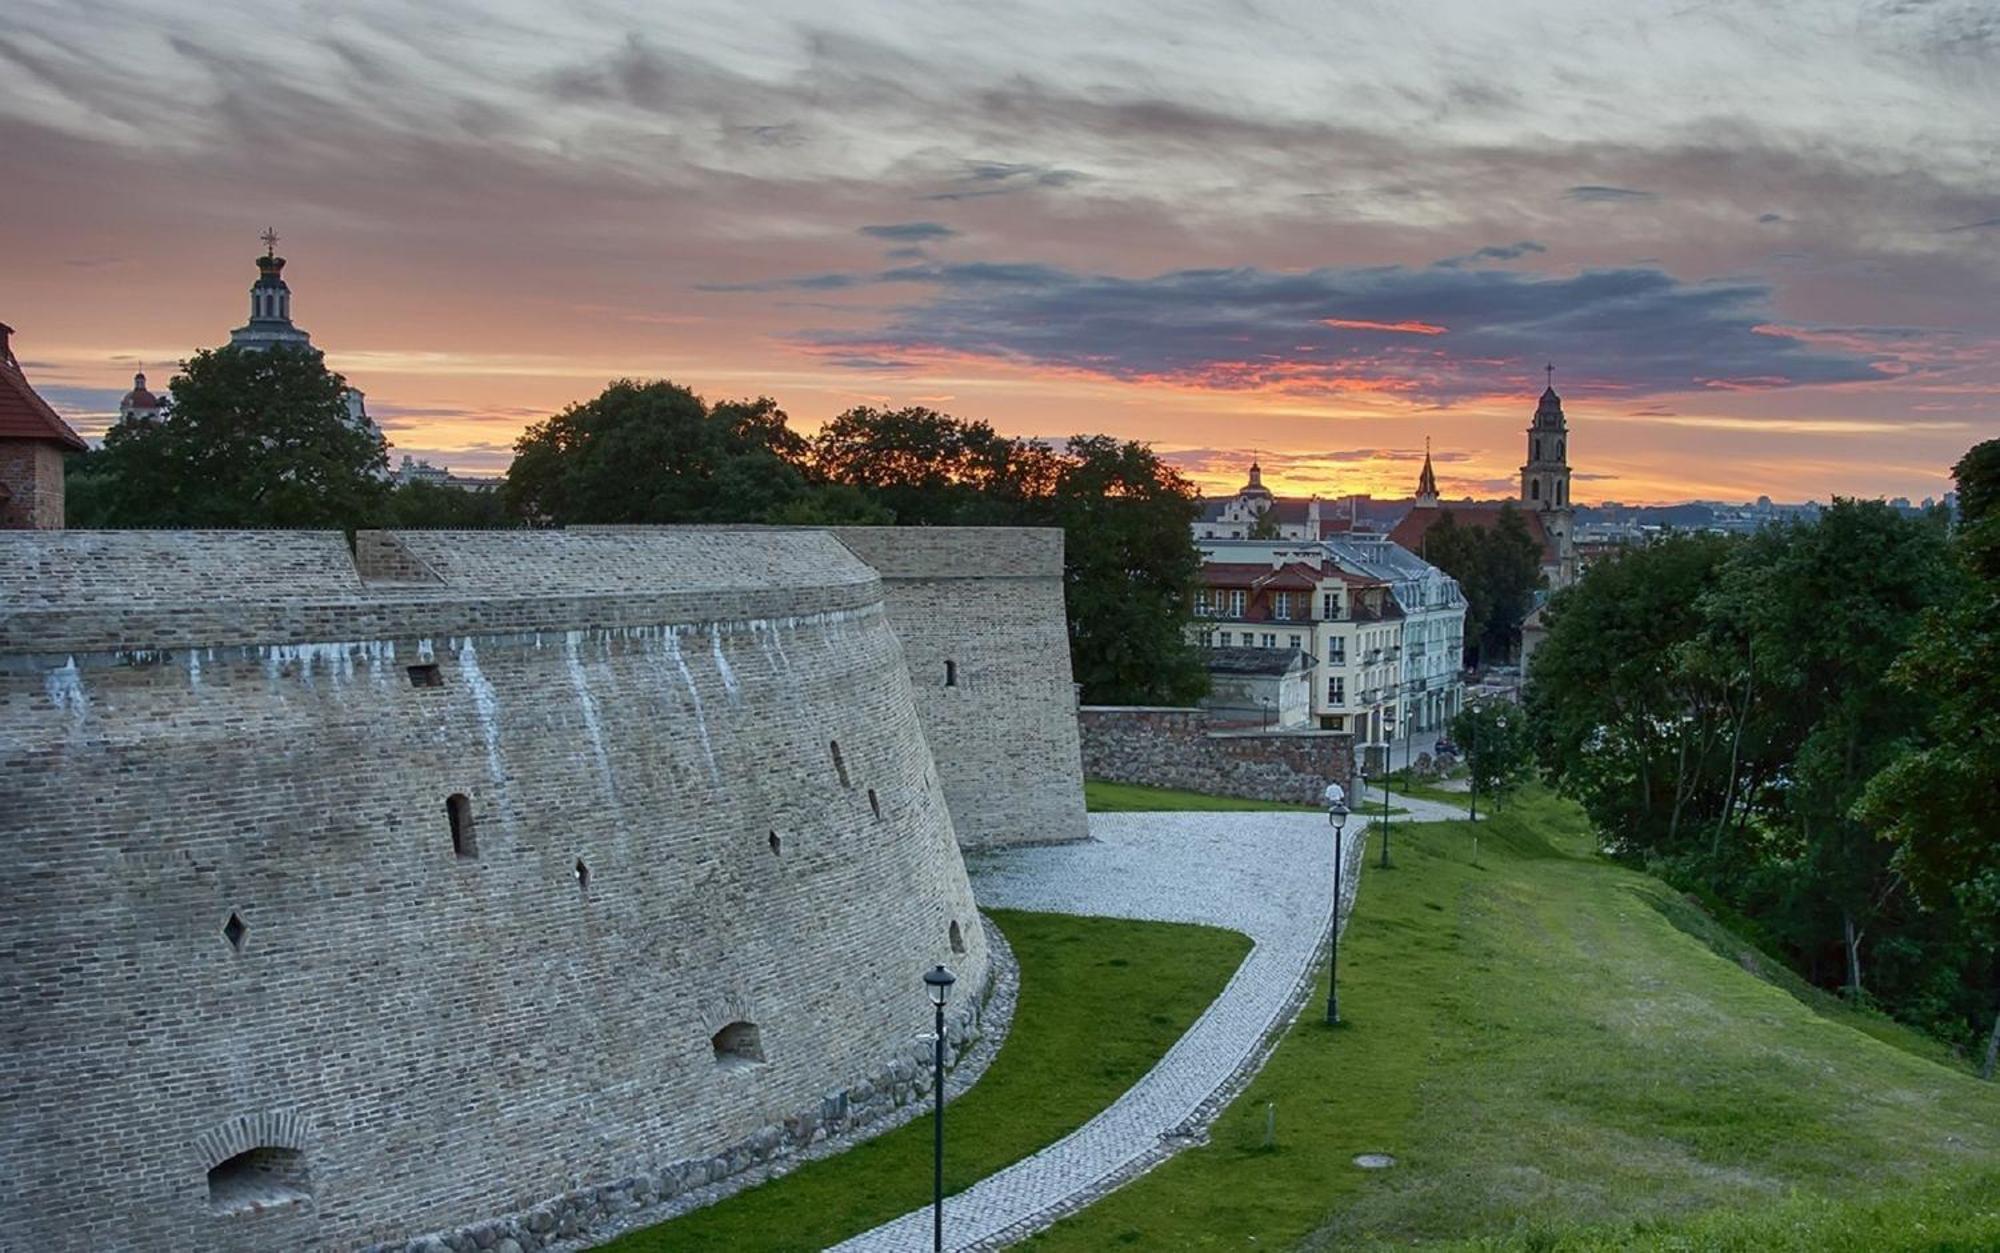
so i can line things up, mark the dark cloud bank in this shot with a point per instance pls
(1642, 330)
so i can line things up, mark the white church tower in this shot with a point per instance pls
(1545, 480)
(270, 324)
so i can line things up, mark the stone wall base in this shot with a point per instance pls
(1185, 749)
(897, 1093)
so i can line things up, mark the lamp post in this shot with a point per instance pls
(1336, 813)
(937, 983)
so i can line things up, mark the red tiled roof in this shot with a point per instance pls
(1418, 521)
(23, 414)
(1292, 575)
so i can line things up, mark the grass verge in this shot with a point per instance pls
(1103, 797)
(1058, 1067)
(1557, 1061)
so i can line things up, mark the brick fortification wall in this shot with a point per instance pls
(242, 933)
(979, 611)
(1178, 748)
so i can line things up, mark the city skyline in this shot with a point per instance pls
(1319, 238)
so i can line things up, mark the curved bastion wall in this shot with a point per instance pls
(349, 898)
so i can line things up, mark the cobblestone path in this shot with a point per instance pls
(1268, 875)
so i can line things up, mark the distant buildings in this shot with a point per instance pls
(414, 471)
(1384, 630)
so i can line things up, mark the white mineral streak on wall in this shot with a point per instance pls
(722, 667)
(572, 657)
(65, 688)
(672, 643)
(486, 706)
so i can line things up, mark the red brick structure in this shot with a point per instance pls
(33, 439)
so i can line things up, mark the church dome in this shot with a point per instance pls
(139, 397)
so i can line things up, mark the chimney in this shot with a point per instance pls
(6, 347)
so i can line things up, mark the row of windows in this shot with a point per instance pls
(1285, 606)
(1227, 639)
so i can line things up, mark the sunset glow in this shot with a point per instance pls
(1294, 253)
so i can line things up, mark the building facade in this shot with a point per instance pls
(1384, 628)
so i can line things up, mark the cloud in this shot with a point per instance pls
(1628, 331)
(1770, 217)
(1590, 192)
(980, 179)
(910, 232)
(1496, 252)
(1981, 225)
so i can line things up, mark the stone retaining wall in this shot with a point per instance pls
(1181, 748)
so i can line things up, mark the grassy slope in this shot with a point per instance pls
(1102, 797)
(1552, 1057)
(1058, 1067)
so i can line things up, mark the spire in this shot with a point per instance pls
(270, 322)
(1427, 483)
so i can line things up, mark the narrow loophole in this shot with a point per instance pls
(950, 673)
(777, 845)
(839, 764)
(957, 938)
(582, 875)
(875, 804)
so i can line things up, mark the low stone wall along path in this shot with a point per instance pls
(1268, 875)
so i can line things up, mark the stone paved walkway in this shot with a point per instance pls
(1268, 875)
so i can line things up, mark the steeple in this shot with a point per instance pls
(270, 322)
(1255, 487)
(1545, 477)
(1427, 483)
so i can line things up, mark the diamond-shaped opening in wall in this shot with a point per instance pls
(259, 1178)
(738, 1044)
(235, 930)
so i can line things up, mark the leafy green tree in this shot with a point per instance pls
(1497, 567)
(1499, 753)
(1939, 802)
(1266, 525)
(1130, 571)
(435, 506)
(654, 452)
(253, 438)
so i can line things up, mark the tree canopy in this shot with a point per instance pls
(253, 438)
(1497, 567)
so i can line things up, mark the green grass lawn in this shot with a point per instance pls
(1058, 1067)
(1560, 1058)
(1102, 797)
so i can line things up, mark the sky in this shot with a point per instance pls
(1759, 242)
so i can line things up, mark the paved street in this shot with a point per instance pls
(1268, 875)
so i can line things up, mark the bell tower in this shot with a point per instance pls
(1545, 478)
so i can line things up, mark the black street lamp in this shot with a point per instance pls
(937, 982)
(1336, 813)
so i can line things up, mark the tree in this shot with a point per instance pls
(253, 438)
(1499, 754)
(434, 506)
(1498, 569)
(655, 452)
(1938, 804)
(1131, 566)
(1266, 525)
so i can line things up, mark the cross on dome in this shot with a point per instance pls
(270, 238)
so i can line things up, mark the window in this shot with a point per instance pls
(1236, 604)
(582, 876)
(777, 845)
(1226, 637)
(1297, 641)
(258, 1179)
(737, 1045)
(234, 931)
(426, 675)
(458, 811)
(1336, 651)
(1534, 489)
(1329, 605)
(1336, 690)
(839, 766)
(1281, 606)
(1208, 639)
(1270, 640)
(950, 673)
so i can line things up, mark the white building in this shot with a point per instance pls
(1352, 603)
